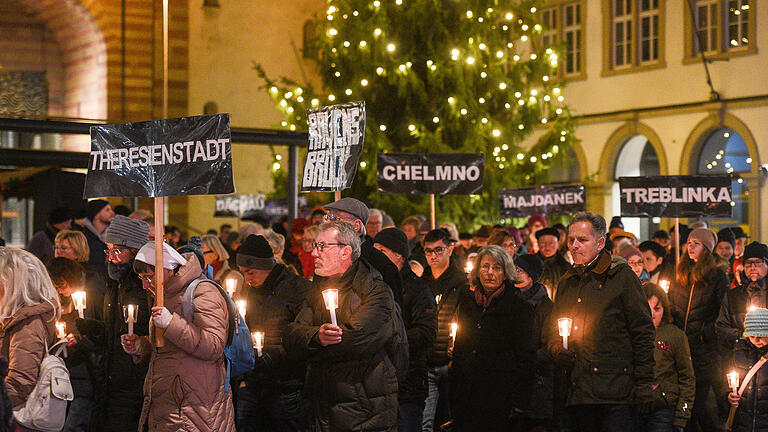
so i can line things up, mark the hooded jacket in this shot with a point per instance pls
(612, 333)
(352, 385)
(184, 387)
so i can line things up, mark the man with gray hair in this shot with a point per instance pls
(611, 341)
(375, 222)
(351, 383)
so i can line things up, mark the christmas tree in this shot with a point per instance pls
(438, 76)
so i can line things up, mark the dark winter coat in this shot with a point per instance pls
(420, 319)
(352, 385)
(96, 247)
(752, 414)
(705, 302)
(736, 303)
(612, 334)
(673, 372)
(494, 355)
(554, 268)
(448, 286)
(271, 307)
(541, 396)
(384, 266)
(41, 244)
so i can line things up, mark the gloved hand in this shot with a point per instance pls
(645, 399)
(161, 316)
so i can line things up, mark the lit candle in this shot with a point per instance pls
(438, 297)
(454, 329)
(231, 287)
(664, 284)
(78, 297)
(61, 330)
(331, 298)
(469, 266)
(130, 312)
(241, 307)
(258, 341)
(564, 326)
(733, 381)
(751, 308)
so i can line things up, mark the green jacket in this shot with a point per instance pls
(612, 334)
(674, 372)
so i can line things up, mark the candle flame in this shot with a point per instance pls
(733, 379)
(664, 284)
(454, 329)
(258, 339)
(241, 307)
(61, 330)
(564, 326)
(468, 268)
(331, 298)
(78, 297)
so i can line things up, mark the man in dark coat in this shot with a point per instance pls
(420, 317)
(99, 215)
(555, 265)
(753, 292)
(610, 348)
(41, 244)
(124, 379)
(355, 212)
(271, 397)
(446, 281)
(351, 382)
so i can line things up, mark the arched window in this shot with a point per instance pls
(636, 158)
(725, 152)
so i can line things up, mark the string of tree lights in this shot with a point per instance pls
(440, 77)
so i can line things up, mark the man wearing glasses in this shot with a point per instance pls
(125, 379)
(356, 213)
(751, 293)
(351, 384)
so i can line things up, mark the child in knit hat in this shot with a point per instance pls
(752, 413)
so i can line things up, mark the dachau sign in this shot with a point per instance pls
(676, 196)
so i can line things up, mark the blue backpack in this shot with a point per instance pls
(238, 352)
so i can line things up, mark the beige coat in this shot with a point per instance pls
(184, 387)
(23, 338)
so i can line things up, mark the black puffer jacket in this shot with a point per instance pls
(705, 306)
(736, 303)
(271, 307)
(541, 395)
(612, 334)
(554, 268)
(420, 319)
(447, 288)
(752, 414)
(493, 358)
(350, 386)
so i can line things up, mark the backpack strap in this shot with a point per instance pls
(59, 350)
(188, 305)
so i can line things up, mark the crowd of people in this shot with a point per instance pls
(363, 325)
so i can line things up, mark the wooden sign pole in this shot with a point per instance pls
(337, 195)
(677, 240)
(159, 290)
(432, 211)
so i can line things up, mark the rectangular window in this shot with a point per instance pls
(649, 31)
(572, 34)
(707, 24)
(564, 25)
(549, 33)
(722, 27)
(738, 24)
(622, 33)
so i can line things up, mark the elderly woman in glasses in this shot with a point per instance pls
(494, 351)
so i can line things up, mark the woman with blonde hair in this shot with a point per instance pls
(29, 307)
(74, 246)
(216, 256)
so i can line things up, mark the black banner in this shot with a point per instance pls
(249, 205)
(548, 200)
(178, 156)
(431, 173)
(676, 196)
(336, 135)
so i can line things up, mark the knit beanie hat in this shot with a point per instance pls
(756, 323)
(256, 253)
(194, 246)
(127, 232)
(394, 239)
(756, 250)
(530, 264)
(59, 215)
(706, 236)
(725, 235)
(94, 207)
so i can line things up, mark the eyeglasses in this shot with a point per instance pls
(115, 251)
(437, 251)
(320, 246)
(335, 217)
(748, 264)
(488, 267)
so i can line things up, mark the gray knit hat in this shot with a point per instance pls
(124, 231)
(756, 323)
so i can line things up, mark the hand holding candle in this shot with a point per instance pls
(564, 327)
(61, 330)
(331, 298)
(664, 284)
(241, 307)
(231, 287)
(78, 298)
(258, 341)
(733, 381)
(130, 313)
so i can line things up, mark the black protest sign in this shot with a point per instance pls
(238, 205)
(336, 135)
(676, 196)
(549, 200)
(431, 173)
(178, 156)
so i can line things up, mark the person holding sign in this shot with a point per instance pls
(184, 388)
(351, 385)
(270, 397)
(751, 413)
(610, 348)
